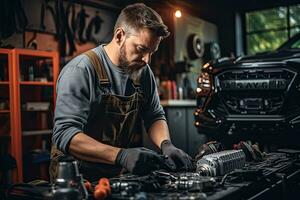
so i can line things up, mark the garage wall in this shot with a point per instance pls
(44, 33)
(185, 26)
(223, 13)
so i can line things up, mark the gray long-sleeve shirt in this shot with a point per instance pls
(76, 93)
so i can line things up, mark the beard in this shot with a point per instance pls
(123, 61)
(134, 69)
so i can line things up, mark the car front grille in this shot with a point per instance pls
(254, 91)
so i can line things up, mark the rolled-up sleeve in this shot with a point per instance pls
(152, 110)
(72, 102)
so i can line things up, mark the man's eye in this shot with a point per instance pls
(140, 49)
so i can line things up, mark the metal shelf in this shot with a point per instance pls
(37, 132)
(4, 111)
(17, 91)
(4, 83)
(36, 83)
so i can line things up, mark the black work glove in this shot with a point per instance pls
(177, 159)
(139, 160)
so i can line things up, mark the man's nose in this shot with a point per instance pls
(147, 58)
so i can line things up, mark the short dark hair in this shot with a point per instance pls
(137, 16)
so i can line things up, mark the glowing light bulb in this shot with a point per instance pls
(178, 13)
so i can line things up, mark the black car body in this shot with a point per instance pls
(259, 93)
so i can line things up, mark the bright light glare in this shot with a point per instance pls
(198, 90)
(178, 13)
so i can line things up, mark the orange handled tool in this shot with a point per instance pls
(103, 189)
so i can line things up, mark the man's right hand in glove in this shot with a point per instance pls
(139, 160)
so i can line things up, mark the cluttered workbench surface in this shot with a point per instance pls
(228, 174)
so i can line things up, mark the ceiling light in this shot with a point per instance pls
(178, 13)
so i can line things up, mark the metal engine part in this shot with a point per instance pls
(68, 184)
(194, 182)
(221, 163)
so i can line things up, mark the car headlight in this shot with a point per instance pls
(204, 84)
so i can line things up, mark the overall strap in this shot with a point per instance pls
(136, 83)
(136, 79)
(98, 66)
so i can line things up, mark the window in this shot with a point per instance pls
(268, 29)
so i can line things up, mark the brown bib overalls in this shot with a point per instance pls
(113, 123)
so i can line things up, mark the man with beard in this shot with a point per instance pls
(102, 93)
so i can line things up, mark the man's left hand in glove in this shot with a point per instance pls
(177, 160)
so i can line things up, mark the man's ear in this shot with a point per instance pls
(119, 36)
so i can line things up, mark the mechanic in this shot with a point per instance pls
(102, 94)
